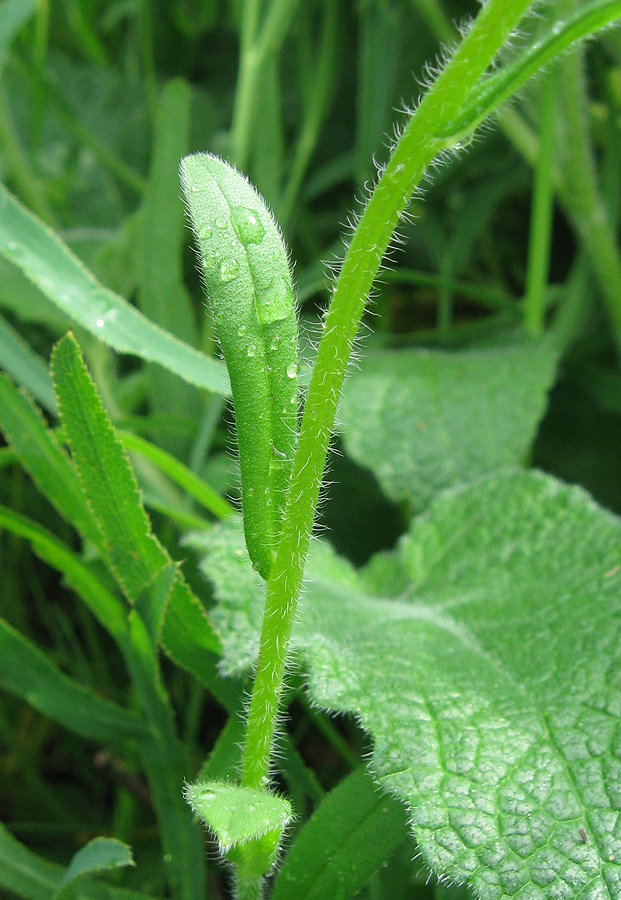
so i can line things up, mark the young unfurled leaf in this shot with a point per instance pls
(248, 282)
(247, 823)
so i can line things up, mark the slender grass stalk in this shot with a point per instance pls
(540, 238)
(18, 164)
(436, 19)
(42, 32)
(315, 111)
(145, 29)
(411, 157)
(257, 44)
(124, 173)
(583, 199)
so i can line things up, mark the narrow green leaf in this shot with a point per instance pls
(26, 672)
(354, 831)
(27, 875)
(134, 552)
(105, 473)
(106, 608)
(489, 681)
(248, 281)
(25, 366)
(587, 19)
(42, 457)
(180, 474)
(100, 854)
(424, 420)
(51, 266)
(24, 873)
(13, 15)
(162, 296)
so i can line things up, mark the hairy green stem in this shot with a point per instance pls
(411, 157)
(540, 239)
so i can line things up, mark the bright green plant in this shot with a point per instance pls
(247, 278)
(480, 655)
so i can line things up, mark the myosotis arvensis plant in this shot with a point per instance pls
(247, 279)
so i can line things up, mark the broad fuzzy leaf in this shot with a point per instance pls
(423, 421)
(489, 679)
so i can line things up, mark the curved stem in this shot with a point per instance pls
(411, 157)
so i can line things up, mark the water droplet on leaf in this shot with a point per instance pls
(248, 225)
(229, 270)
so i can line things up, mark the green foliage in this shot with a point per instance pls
(58, 274)
(437, 722)
(353, 832)
(248, 282)
(97, 856)
(424, 421)
(488, 679)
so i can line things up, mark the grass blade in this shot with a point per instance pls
(25, 366)
(23, 872)
(42, 457)
(354, 831)
(136, 556)
(105, 473)
(13, 15)
(107, 609)
(163, 297)
(53, 268)
(28, 673)
(178, 473)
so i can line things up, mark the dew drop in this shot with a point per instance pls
(251, 350)
(12, 245)
(205, 233)
(292, 370)
(274, 300)
(229, 270)
(100, 323)
(220, 223)
(248, 225)
(241, 331)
